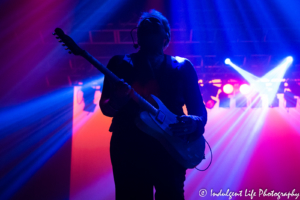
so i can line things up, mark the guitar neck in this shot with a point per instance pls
(143, 103)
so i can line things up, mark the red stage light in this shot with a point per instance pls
(210, 104)
(228, 88)
(245, 89)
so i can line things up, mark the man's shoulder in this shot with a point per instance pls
(118, 60)
(180, 62)
(125, 57)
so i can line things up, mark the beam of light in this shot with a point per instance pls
(246, 115)
(231, 141)
(225, 141)
(255, 82)
(40, 144)
(54, 134)
(289, 11)
(276, 73)
(248, 76)
(37, 71)
(229, 121)
(21, 173)
(99, 16)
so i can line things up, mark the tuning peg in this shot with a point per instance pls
(66, 48)
(53, 33)
(59, 40)
(63, 44)
(70, 52)
(57, 37)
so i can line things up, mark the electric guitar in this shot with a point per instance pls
(189, 152)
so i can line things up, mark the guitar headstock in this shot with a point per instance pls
(68, 42)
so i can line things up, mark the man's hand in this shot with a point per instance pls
(187, 124)
(120, 94)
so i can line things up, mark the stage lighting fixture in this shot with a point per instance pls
(274, 103)
(210, 104)
(227, 61)
(241, 101)
(228, 88)
(291, 102)
(88, 98)
(294, 87)
(224, 100)
(245, 89)
(207, 91)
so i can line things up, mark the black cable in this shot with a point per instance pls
(134, 45)
(210, 159)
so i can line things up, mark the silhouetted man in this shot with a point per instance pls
(139, 161)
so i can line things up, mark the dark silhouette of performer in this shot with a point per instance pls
(139, 161)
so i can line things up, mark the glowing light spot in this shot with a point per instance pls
(227, 61)
(218, 85)
(245, 89)
(210, 104)
(215, 81)
(228, 88)
(286, 84)
(179, 59)
(268, 84)
(289, 59)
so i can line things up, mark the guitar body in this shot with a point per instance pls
(188, 152)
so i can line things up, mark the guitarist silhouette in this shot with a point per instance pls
(139, 161)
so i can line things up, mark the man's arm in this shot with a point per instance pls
(196, 119)
(106, 109)
(113, 96)
(192, 95)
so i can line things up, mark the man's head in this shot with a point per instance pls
(153, 30)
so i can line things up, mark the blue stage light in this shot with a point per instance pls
(289, 59)
(291, 102)
(227, 61)
(208, 90)
(224, 100)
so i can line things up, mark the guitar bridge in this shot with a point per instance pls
(160, 117)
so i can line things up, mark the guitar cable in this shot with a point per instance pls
(204, 158)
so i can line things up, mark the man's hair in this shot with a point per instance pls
(154, 13)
